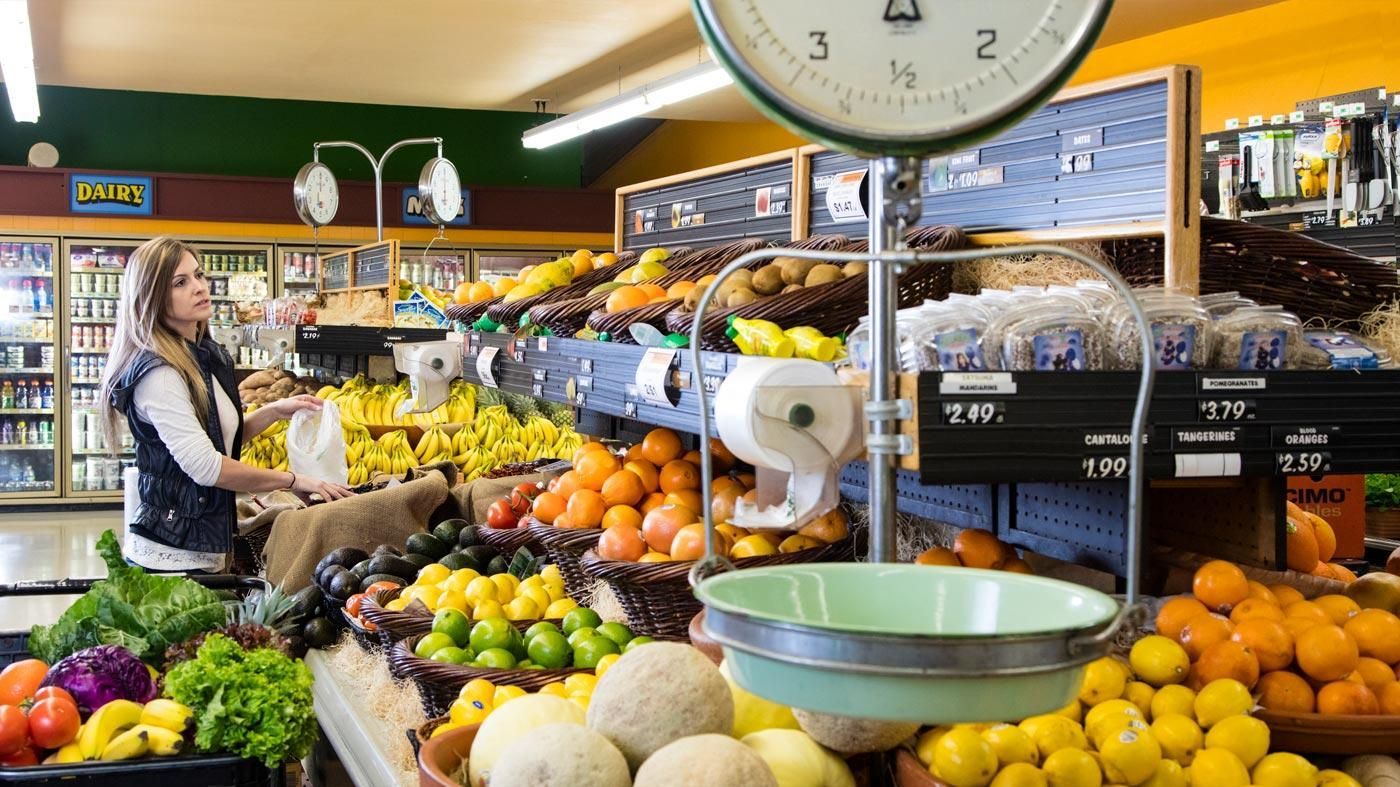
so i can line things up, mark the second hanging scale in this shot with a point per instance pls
(892, 81)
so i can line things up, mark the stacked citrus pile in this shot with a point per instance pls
(1329, 655)
(480, 597)
(1311, 545)
(976, 549)
(480, 697)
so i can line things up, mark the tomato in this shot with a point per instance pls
(381, 585)
(522, 496)
(54, 692)
(20, 680)
(14, 730)
(353, 604)
(500, 515)
(53, 723)
(21, 758)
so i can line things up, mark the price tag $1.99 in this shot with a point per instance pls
(484, 359)
(1095, 467)
(653, 374)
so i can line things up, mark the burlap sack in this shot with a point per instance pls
(387, 516)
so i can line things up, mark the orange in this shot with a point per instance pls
(566, 484)
(1220, 585)
(1285, 691)
(692, 456)
(1339, 608)
(724, 459)
(563, 521)
(827, 528)
(621, 543)
(585, 448)
(686, 497)
(726, 482)
(1228, 659)
(1259, 591)
(680, 289)
(1376, 674)
(1268, 640)
(1017, 566)
(1254, 608)
(733, 532)
(463, 293)
(1389, 697)
(594, 468)
(651, 477)
(689, 543)
(626, 297)
(1326, 653)
(1326, 537)
(481, 291)
(1175, 613)
(654, 292)
(622, 515)
(678, 474)
(634, 454)
(583, 262)
(747, 479)
(1343, 573)
(1296, 626)
(1285, 594)
(659, 527)
(623, 489)
(1302, 545)
(1322, 570)
(548, 506)
(937, 556)
(1307, 609)
(980, 549)
(1344, 698)
(1377, 634)
(661, 446)
(654, 557)
(722, 504)
(586, 508)
(653, 500)
(1202, 631)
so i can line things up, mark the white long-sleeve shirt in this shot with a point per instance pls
(162, 399)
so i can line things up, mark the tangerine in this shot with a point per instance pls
(980, 549)
(1220, 585)
(1309, 610)
(654, 292)
(594, 468)
(1268, 640)
(1325, 535)
(1176, 612)
(586, 508)
(724, 460)
(463, 293)
(1343, 573)
(592, 445)
(1376, 674)
(1377, 634)
(1389, 697)
(651, 477)
(1228, 659)
(937, 556)
(1287, 692)
(1285, 594)
(621, 543)
(622, 515)
(634, 454)
(626, 297)
(481, 291)
(1202, 631)
(567, 484)
(1345, 698)
(692, 456)
(1338, 607)
(623, 488)
(1296, 626)
(661, 446)
(1302, 544)
(686, 497)
(1255, 608)
(548, 506)
(651, 501)
(689, 543)
(660, 526)
(1326, 653)
(679, 474)
(1260, 591)
(1323, 570)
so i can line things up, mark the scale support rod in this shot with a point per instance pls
(378, 167)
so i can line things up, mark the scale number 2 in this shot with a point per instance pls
(973, 413)
(1304, 462)
(1096, 467)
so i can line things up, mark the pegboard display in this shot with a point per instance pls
(1241, 521)
(962, 506)
(1083, 523)
(748, 199)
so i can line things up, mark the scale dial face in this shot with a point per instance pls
(440, 191)
(316, 194)
(910, 77)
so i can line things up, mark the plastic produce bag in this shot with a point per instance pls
(316, 445)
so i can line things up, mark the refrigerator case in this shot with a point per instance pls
(238, 273)
(298, 266)
(493, 264)
(30, 434)
(441, 266)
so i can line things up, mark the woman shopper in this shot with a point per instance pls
(174, 385)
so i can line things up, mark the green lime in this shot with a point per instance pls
(582, 635)
(542, 626)
(636, 642)
(526, 664)
(432, 643)
(580, 617)
(590, 652)
(454, 624)
(517, 643)
(492, 633)
(616, 632)
(496, 658)
(451, 655)
(550, 650)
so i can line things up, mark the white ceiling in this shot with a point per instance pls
(480, 54)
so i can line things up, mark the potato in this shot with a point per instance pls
(768, 280)
(793, 288)
(795, 270)
(823, 274)
(855, 268)
(740, 296)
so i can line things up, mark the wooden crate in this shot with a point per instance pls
(373, 268)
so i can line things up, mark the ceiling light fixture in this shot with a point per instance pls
(648, 98)
(17, 61)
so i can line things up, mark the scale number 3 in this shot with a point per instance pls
(819, 45)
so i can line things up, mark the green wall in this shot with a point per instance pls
(170, 132)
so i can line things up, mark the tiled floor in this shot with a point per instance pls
(48, 545)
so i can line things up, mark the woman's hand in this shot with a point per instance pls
(286, 408)
(325, 489)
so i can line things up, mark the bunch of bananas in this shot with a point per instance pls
(434, 446)
(125, 730)
(269, 449)
(382, 404)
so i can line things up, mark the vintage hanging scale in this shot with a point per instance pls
(316, 194)
(893, 81)
(440, 190)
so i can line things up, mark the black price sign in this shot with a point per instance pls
(1316, 219)
(1304, 462)
(973, 413)
(1100, 467)
(1226, 409)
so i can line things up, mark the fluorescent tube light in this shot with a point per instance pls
(17, 61)
(649, 97)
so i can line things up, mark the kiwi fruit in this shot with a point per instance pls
(795, 270)
(855, 268)
(742, 278)
(793, 288)
(768, 280)
(740, 296)
(823, 274)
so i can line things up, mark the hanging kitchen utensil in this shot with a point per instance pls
(1249, 187)
(1352, 169)
(1378, 189)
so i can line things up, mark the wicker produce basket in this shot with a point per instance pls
(508, 314)
(365, 637)
(1383, 523)
(1308, 277)
(1312, 733)
(395, 626)
(469, 312)
(565, 546)
(508, 540)
(657, 597)
(440, 683)
(833, 308)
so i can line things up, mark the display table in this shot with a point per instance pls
(357, 737)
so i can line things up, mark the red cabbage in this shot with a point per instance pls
(96, 676)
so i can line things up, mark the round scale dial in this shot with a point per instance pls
(440, 191)
(316, 194)
(906, 77)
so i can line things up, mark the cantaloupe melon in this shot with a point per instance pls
(704, 760)
(849, 735)
(561, 755)
(513, 720)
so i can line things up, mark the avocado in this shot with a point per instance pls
(468, 538)
(343, 585)
(345, 556)
(498, 565)
(323, 580)
(319, 633)
(373, 578)
(426, 544)
(457, 560)
(306, 600)
(448, 530)
(418, 560)
(480, 555)
(361, 569)
(388, 549)
(395, 566)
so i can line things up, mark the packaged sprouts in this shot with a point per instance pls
(1055, 336)
(1182, 334)
(950, 340)
(1257, 339)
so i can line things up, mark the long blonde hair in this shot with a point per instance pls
(141, 314)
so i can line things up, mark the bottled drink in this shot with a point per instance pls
(34, 432)
(7, 396)
(41, 297)
(21, 432)
(26, 256)
(36, 397)
(26, 296)
(45, 433)
(46, 393)
(21, 395)
(7, 431)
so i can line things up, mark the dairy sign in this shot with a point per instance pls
(122, 195)
(412, 207)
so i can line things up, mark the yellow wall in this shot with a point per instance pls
(684, 145)
(1261, 62)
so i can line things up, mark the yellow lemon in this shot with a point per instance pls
(482, 589)
(1072, 768)
(923, 747)
(1221, 699)
(1282, 769)
(1169, 774)
(1074, 710)
(550, 573)
(488, 609)
(1140, 694)
(1020, 774)
(1011, 744)
(1159, 661)
(522, 608)
(963, 759)
(1218, 768)
(1101, 713)
(452, 599)
(432, 574)
(605, 663)
(1052, 733)
(555, 590)
(1116, 724)
(532, 581)
(580, 699)
(537, 595)
(478, 689)
(505, 694)
(460, 579)
(397, 604)
(1131, 756)
(506, 586)
(556, 688)
(447, 726)
(581, 681)
(503, 285)
(1179, 737)
(1173, 699)
(1246, 736)
(464, 712)
(1103, 680)
(1334, 778)
(560, 608)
